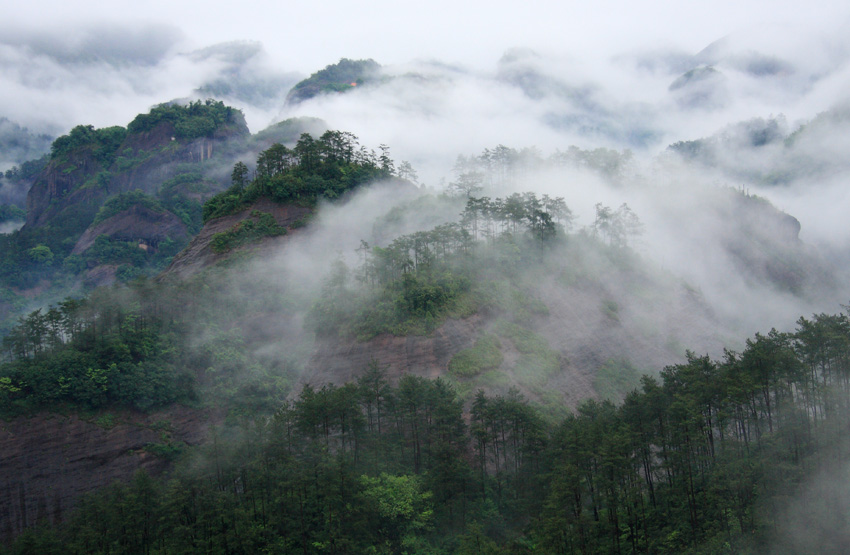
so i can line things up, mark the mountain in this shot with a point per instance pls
(232, 310)
(88, 164)
(18, 144)
(335, 78)
(116, 203)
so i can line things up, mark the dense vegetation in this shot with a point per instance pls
(101, 143)
(195, 120)
(699, 461)
(456, 269)
(137, 346)
(259, 224)
(339, 77)
(11, 213)
(93, 171)
(28, 169)
(101, 351)
(325, 167)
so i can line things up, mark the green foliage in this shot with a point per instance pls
(614, 379)
(339, 77)
(131, 260)
(195, 120)
(223, 204)
(313, 169)
(526, 341)
(106, 420)
(41, 254)
(484, 355)
(537, 362)
(101, 161)
(420, 279)
(323, 473)
(90, 356)
(414, 305)
(27, 170)
(168, 451)
(259, 225)
(102, 143)
(176, 196)
(124, 201)
(106, 250)
(698, 461)
(403, 506)
(286, 131)
(11, 213)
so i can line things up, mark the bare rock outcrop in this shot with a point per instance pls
(137, 223)
(199, 254)
(48, 461)
(339, 361)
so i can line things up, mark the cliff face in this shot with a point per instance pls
(59, 182)
(199, 254)
(764, 244)
(584, 327)
(339, 361)
(143, 161)
(137, 223)
(50, 460)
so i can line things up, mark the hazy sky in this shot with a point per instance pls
(103, 62)
(601, 74)
(306, 35)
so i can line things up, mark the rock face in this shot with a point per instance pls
(80, 181)
(764, 244)
(58, 182)
(340, 361)
(101, 275)
(137, 223)
(582, 325)
(582, 316)
(48, 461)
(199, 254)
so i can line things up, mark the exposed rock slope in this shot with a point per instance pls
(50, 460)
(137, 223)
(199, 254)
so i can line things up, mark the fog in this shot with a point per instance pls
(459, 79)
(762, 85)
(618, 78)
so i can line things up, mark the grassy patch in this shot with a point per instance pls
(484, 355)
(168, 451)
(509, 298)
(615, 378)
(260, 224)
(611, 310)
(106, 421)
(538, 361)
(526, 341)
(493, 379)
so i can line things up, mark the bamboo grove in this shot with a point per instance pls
(702, 458)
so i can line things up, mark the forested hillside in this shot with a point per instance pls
(485, 458)
(100, 350)
(115, 204)
(289, 341)
(703, 460)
